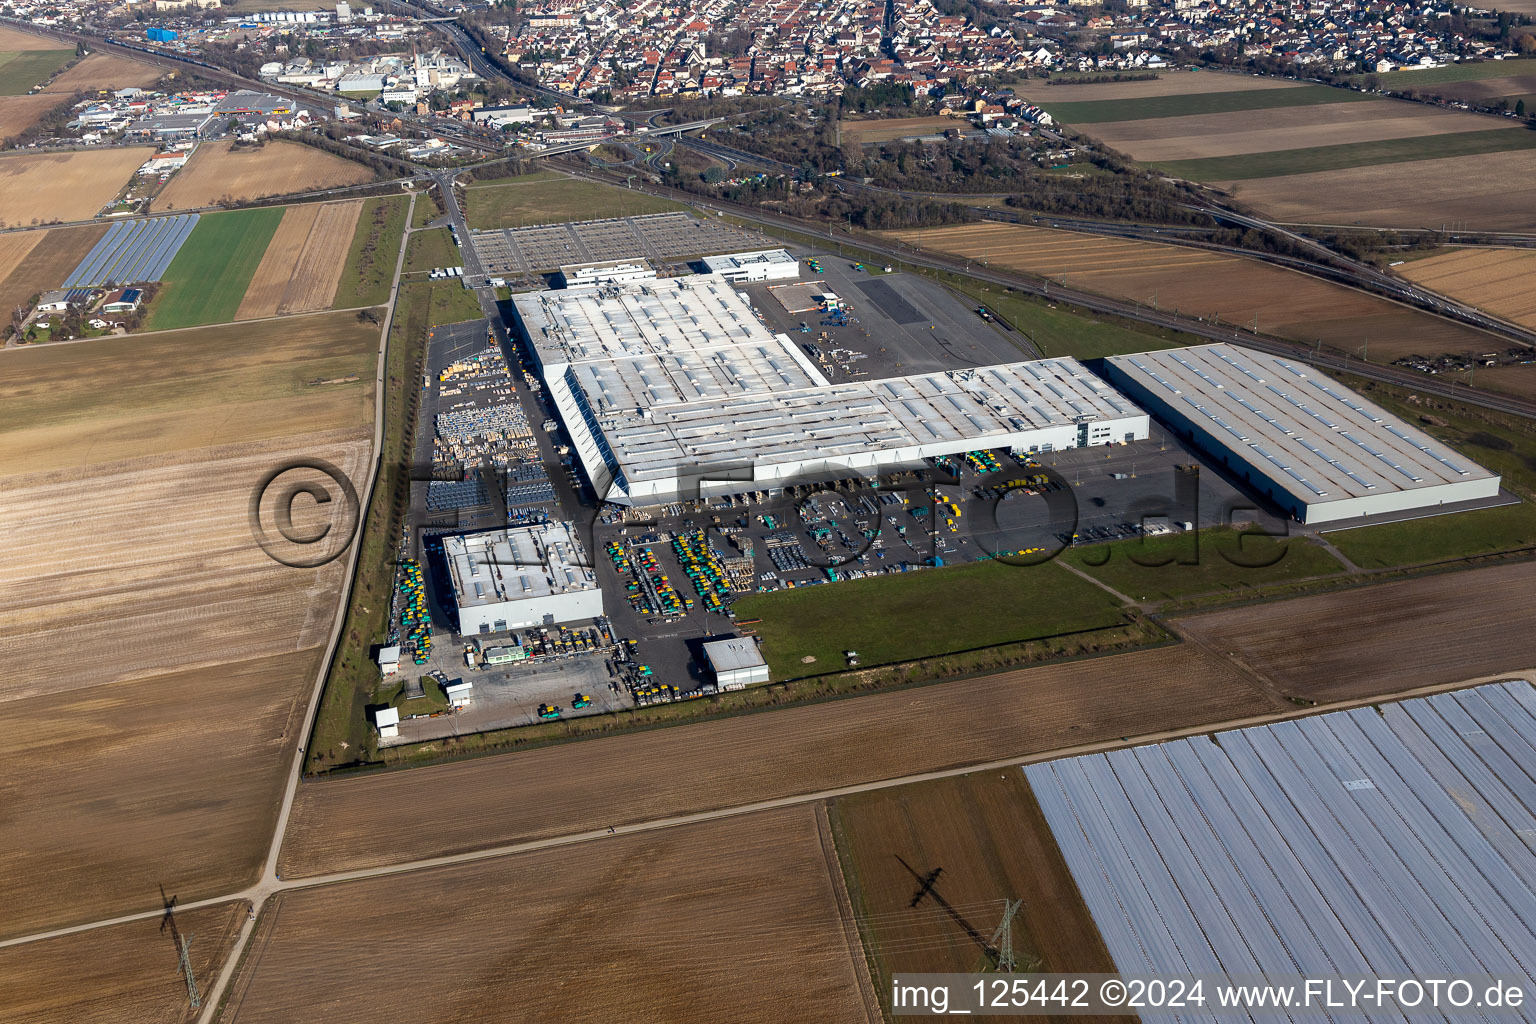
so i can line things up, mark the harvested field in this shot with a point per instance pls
(889, 128)
(106, 71)
(1501, 138)
(1286, 303)
(278, 263)
(39, 188)
(15, 39)
(48, 261)
(1215, 135)
(1499, 196)
(18, 113)
(16, 247)
(1169, 83)
(365, 821)
(129, 465)
(1498, 280)
(126, 972)
(303, 262)
(987, 834)
(315, 278)
(713, 922)
(1435, 629)
(219, 172)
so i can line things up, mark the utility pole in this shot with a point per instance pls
(183, 945)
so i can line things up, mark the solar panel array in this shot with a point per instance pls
(1398, 842)
(132, 252)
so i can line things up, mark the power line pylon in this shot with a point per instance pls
(186, 970)
(1002, 939)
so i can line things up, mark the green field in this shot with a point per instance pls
(429, 249)
(1215, 102)
(536, 199)
(1355, 154)
(1211, 561)
(21, 70)
(206, 281)
(375, 248)
(1472, 72)
(1059, 331)
(922, 614)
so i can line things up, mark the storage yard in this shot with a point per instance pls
(176, 614)
(41, 188)
(1241, 292)
(1380, 842)
(666, 238)
(743, 933)
(219, 172)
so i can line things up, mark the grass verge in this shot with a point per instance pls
(925, 614)
(536, 199)
(207, 280)
(1222, 561)
(375, 248)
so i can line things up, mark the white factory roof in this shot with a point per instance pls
(501, 566)
(1308, 433)
(742, 260)
(733, 653)
(681, 372)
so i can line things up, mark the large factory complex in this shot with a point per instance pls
(667, 385)
(655, 391)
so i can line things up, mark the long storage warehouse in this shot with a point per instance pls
(674, 388)
(526, 576)
(1307, 443)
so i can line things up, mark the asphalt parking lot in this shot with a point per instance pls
(901, 323)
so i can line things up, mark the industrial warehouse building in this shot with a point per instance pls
(764, 265)
(1318, 450)
(527, 576)
(674, 387)
(737, 662)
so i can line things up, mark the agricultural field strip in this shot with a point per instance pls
(278, 263)
(133, 251)
(672, 821)
(318, 271)
(1336, 844)
(15, 247)
(1497, 280)
(1081, 112)
(1314, 159)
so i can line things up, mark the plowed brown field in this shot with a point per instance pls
(18, 113)
(1168, 83)
(218, 172)
(49, 260)
(106, 71)
(158, 659)
(887, 128)
(1285, 303)
(15, 247)
(1498, 280)
(123, 973)
(987, 835)
(727, 921)
(324, 257)
(1436, 629)
(277, 264)
(1492, 192)
(380, 819)
(39, 188)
